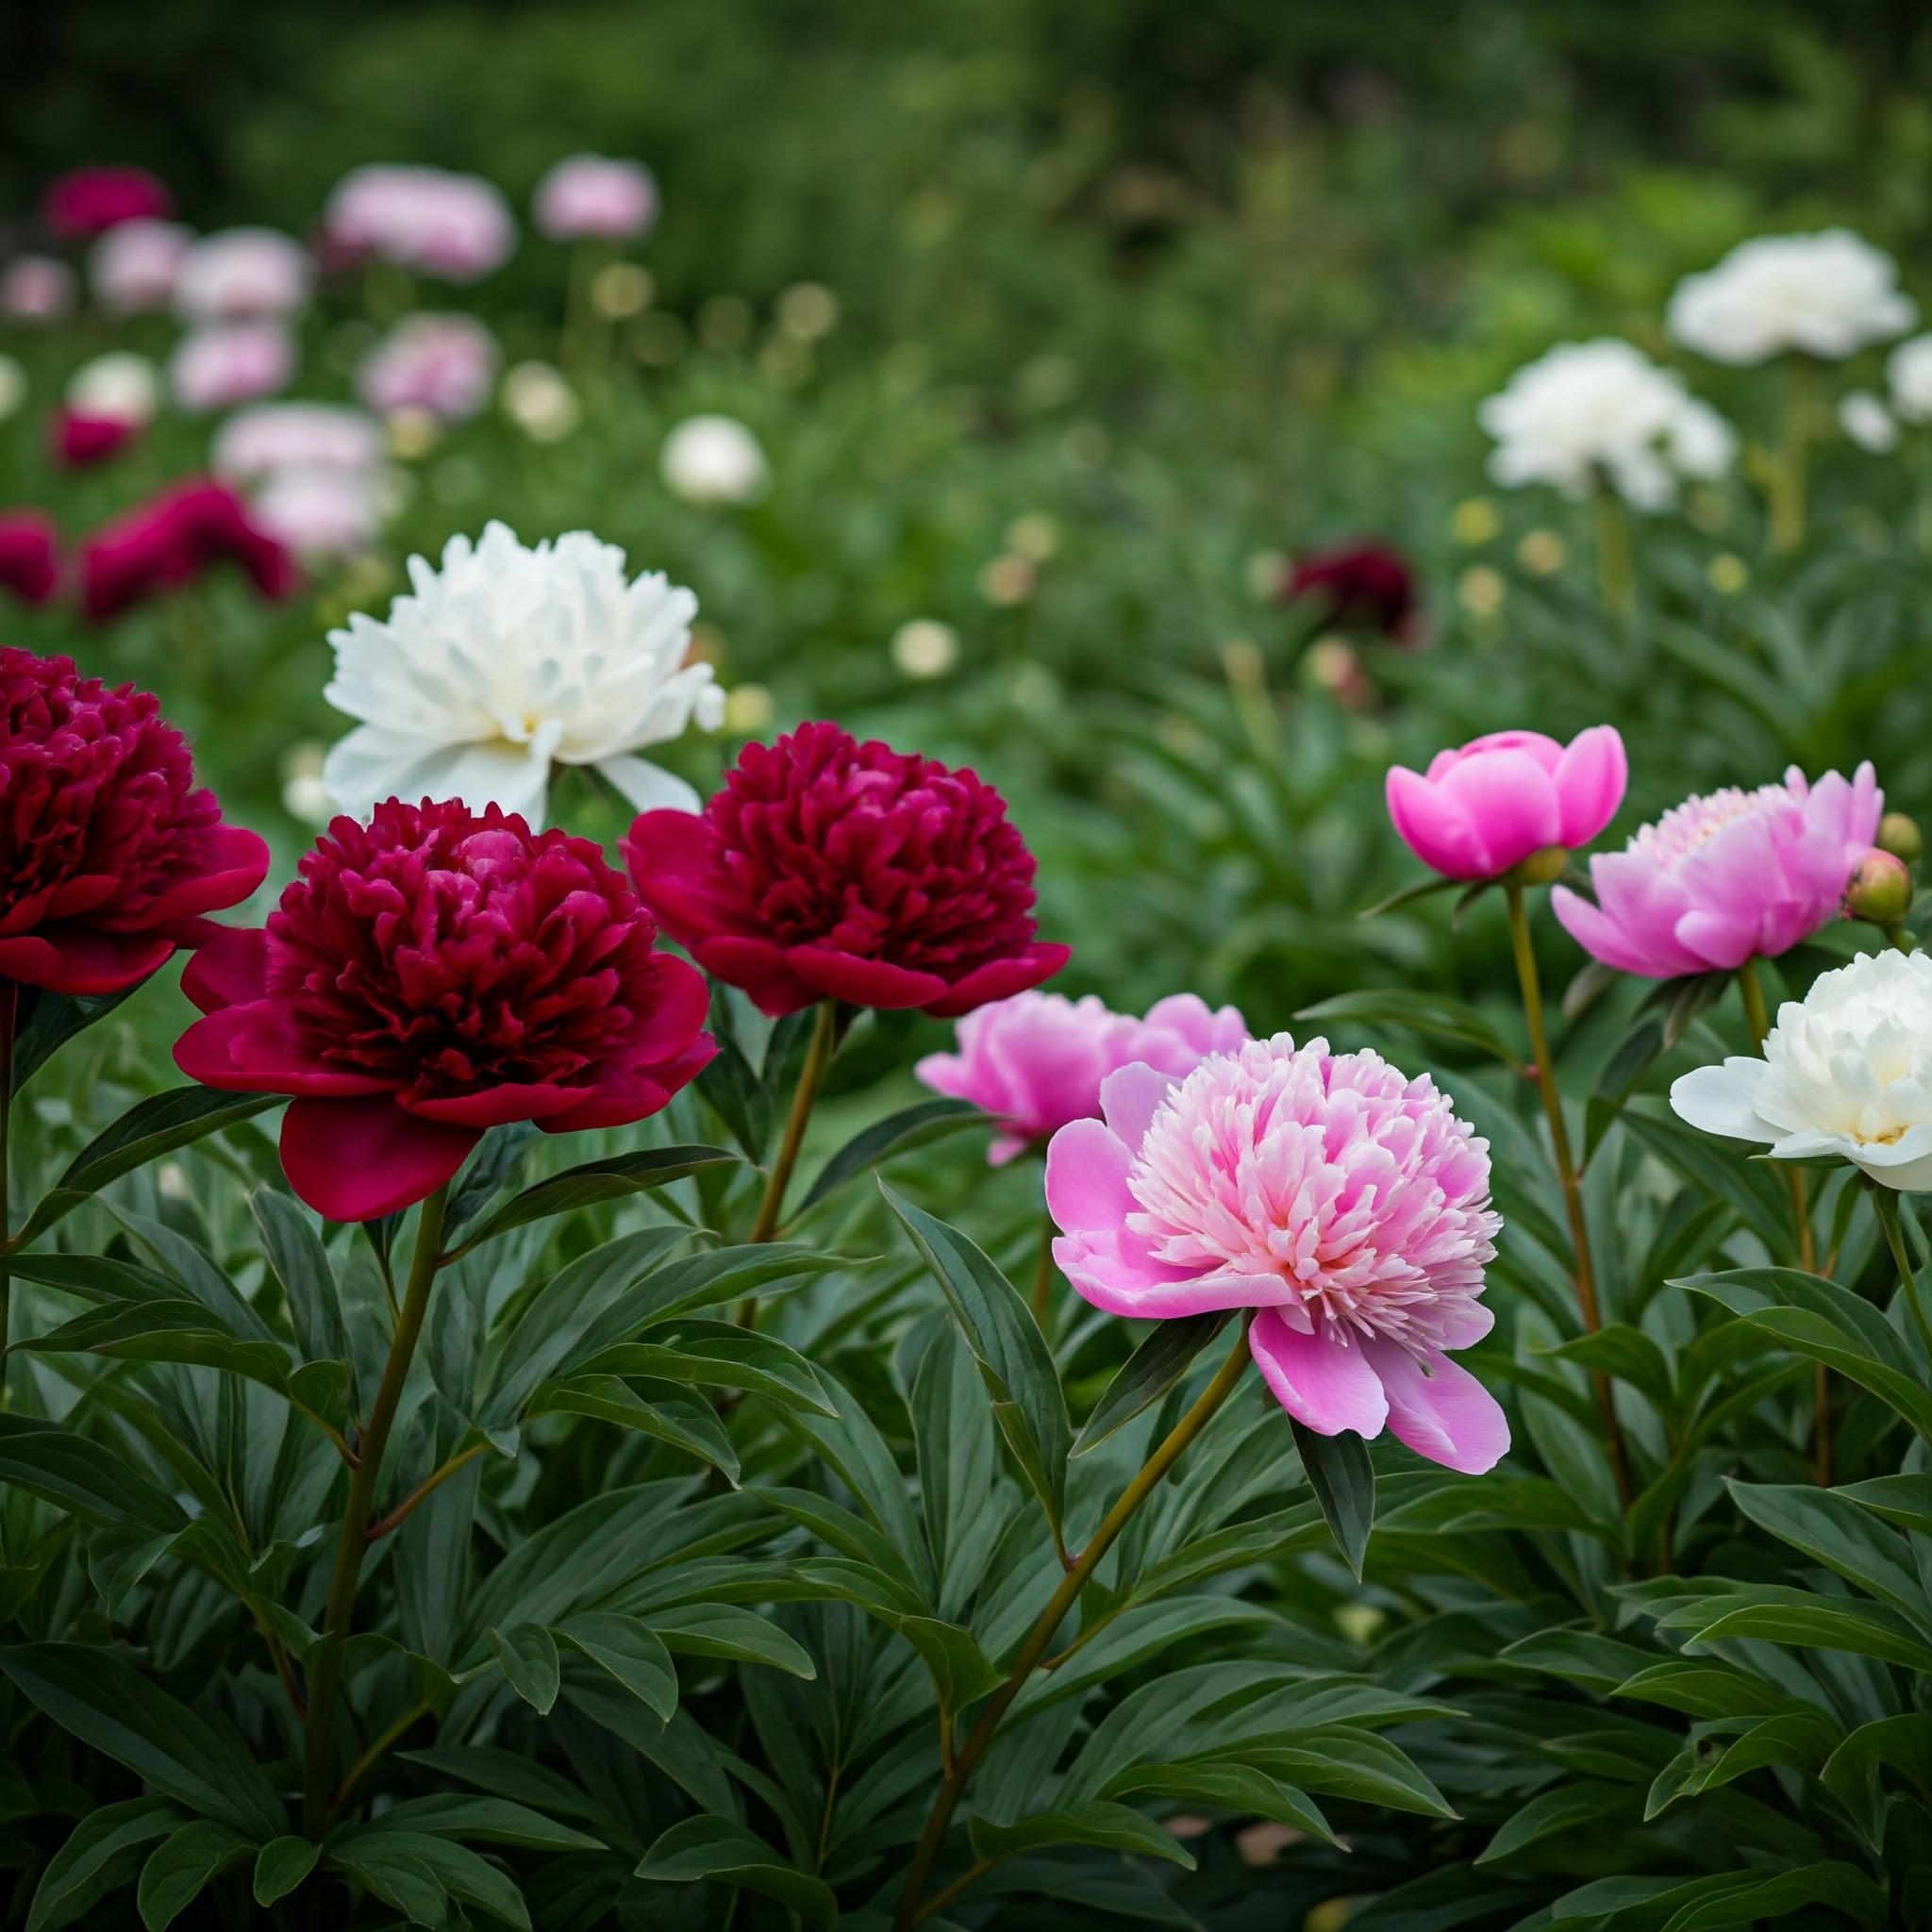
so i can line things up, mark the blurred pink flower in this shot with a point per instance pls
(90, 201)
(29, 554)
(458, 227)
(317, 513)
(295, 436)
(229, 363)
(1036, 1060)
(79, 439)
(242, 272)
(133, 266)
(442, 363)
(1341, 1199)
(170, 539)
(1722, 879)
(36, 288)
(586, 197)
(1481, 809)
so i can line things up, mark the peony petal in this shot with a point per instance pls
(497, 1106)
(1087, 1166)
(1590, 780)
(1130, 1097)
(245, 1050)
(28, 960)
(84, 960)
(1432, 826)
(833, 974)
(1603, 938)
(672, 859)
(756, 967)
(1510, 803)
(1440, 1410)
(1722, 1100)
(649, 787)
(1324, 1384)
(360, 1160)
(240, 864)
(640, 1093)
(999, 979)
(230, 971)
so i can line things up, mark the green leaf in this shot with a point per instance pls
(899, 1133)
(1434, 1015)
(727, 1853)
(1148, 1374)
(103, 1853)
(1906, 1500)
(1627, 1354)
(1754, 1194)
(1350, 1763)
(281, 1865)
(1779, 1614)
(1836, 1532)
(301, 1264)
(487, 1821)
(497, 1154)
(1112, 1827)
(1408, 895)
(630, 1650)
(732, 1634)
(719, 1354)
(692, 1428)
(45, 1021)
(1343, 1480)
(1566, 1808)
(1901, 1743)
(179, 1869)
(962, 1672)
(82, 1476)
(1228, 1787)
(402, 1867)
(614, 1180)
(528, 1656)
(1013, 1357)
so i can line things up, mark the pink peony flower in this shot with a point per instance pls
(1035, 1061)
(827, 869)
(36, 288)
(232, 362)
(1482, 810)
(585, 197)
(109, 856)
(79, 440)
(29, 554)
(317, 513)
(92, 200)
(431, 974)
(132, 267)
(1722, 879)
(171, 540)
(442, 363)
(295, 436)
(1341, 1199)
(1368, 585)
(242, 273)
(458, 227)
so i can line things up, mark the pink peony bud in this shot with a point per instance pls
(444, 364)
(79, 440)
(1879, 888)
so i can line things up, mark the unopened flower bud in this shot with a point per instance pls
(1898, 833)
(1879, 888)
(1541, 867)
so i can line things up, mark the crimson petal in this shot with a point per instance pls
(360, 1160)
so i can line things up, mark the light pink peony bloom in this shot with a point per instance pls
(586, 197)
(1486, 807)
(442, 363)
(133, 266)
(36, 288)
(229, 363)
(1341, 1199)
(319, 512)
(1036, 1060)
(242, 273)
(295, 436)
(457, 227)
(1722, 879)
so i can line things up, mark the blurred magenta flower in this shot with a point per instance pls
(1722, 879)
(170, 541)
(230, 363)
(36, 288)
(445, 364)
(457, 227)
(242, 273)
(90, 201)
(133, 267)
(77, 439)
(1481, 809)
(29, 554)
(587, 198)
(1366, 585)
(110, 856)
(827, 869)
(1339, 1198)
(1035, 1061)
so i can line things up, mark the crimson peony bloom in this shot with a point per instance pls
(29, 554)
(110, 856)
(90, 201)
(77, 439)
(827, 869)
(1364, 583)
(171, 540)
(433, 973)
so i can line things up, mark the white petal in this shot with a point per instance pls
(1720, 1100)
(649, 787)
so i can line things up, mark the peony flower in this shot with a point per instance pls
(77, 441)
(444, 364)
(1846, 1072)
(233, 363)
(132, 267)
(273, 437)
(109, 856)
(713, 460)
(1484, 809)
(587, 198)
(457, 227)
(1343, 1200)
(1824, 294)
(173, 538)
(119, 386)
(92, 201)
(29, 554)
(317, 513)
(1867, 422)
(510, 659)
(827, 869)
(1908, 370)
(1719, 880)
(1601, 413)
(1035, 1061)
(1368, 585)
(434, 973)
(36, 288)
(242, 273)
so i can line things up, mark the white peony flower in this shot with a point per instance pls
(1602, 412)
(1908, 370)
(537, 398)
(1826, 294)
(1867, 422)
(1847, 1072)
(119, 387)
(713, 460)
(509, 660)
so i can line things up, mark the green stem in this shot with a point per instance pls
(818, 1057)
(423, 1492)
(324, 1671)
(1044, 1272)
(1788, 479)
(1050, 1618)
(357, 1771)
(1585, 1277)
(1616, 575)
(1885, 1200)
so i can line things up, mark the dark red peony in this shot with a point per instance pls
(90, 201)
(110, 856)
(827, 869)
(29, 554)
(1360, 584)
(78, 441)
(433, 973)
(170, 541)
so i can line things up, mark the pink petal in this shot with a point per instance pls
(230, 971)
(360, 1160)
(1510, 804)
(1130, 1097)
(1322, 1384)
(1087, 1166)
(757, 966)
(245, 1050)
(1431, 825)
(1590, 780)
(1445, 1413)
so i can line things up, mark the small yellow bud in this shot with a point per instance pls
(1898, 834)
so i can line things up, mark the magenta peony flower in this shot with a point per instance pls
(458, 227)
(1482, 810)
(1358, 584)
(36, 288)
(29, 554)
(109, 856)
(433, 973)
(90, 201)
(230, 363)
(585, 197)
(171, 540)
(442, 363)
(1341, 1199)
(1722, 879)
(133, 266)
(1035, 1061)
(79, 439)
(827, 869)
(242, 273)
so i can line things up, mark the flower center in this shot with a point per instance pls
(1687, 827)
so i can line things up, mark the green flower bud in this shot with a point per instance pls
(1898, 833)
(1879, 888)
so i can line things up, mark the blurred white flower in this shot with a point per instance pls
(713, 460)
(304, 797)
(924, 647)
(1864, 418)
(217, 367)
(457, 227)
(1908, 370)
(119, 387)
(540, 402)
(36, 288)
(132, 266)
(1604, 411)
(586, 197)
(319, 512)
(1847, 1072)
(13, 387)
(509, 660)
(240, 273)
(295, 436)
(1826, 294)
(441, 364)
